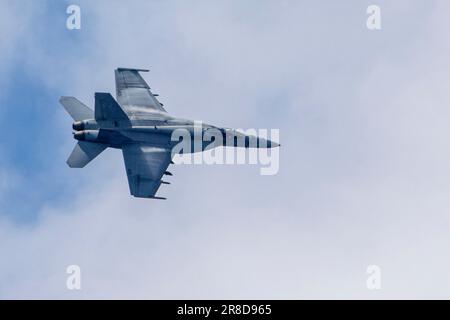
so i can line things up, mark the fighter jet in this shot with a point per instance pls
(138, 124)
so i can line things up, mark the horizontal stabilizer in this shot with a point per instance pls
(77, 110)
(84, 152)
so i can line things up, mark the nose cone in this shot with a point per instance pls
(263, 143)
(272, 144)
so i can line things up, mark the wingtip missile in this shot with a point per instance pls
(132, 69)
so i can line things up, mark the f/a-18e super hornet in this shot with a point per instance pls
(138, 124)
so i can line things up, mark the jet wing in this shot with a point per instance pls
(145, 166)
(134, 94)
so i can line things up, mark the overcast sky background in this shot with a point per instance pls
(365, 160)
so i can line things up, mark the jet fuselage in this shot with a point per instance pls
(163, 132)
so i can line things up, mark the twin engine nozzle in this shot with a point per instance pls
(86, 130)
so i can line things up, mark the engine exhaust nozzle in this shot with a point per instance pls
(78, 126)
(79, 135)
(87, 135)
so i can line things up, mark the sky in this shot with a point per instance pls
(364, 164)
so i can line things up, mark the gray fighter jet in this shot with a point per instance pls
(138, 124)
